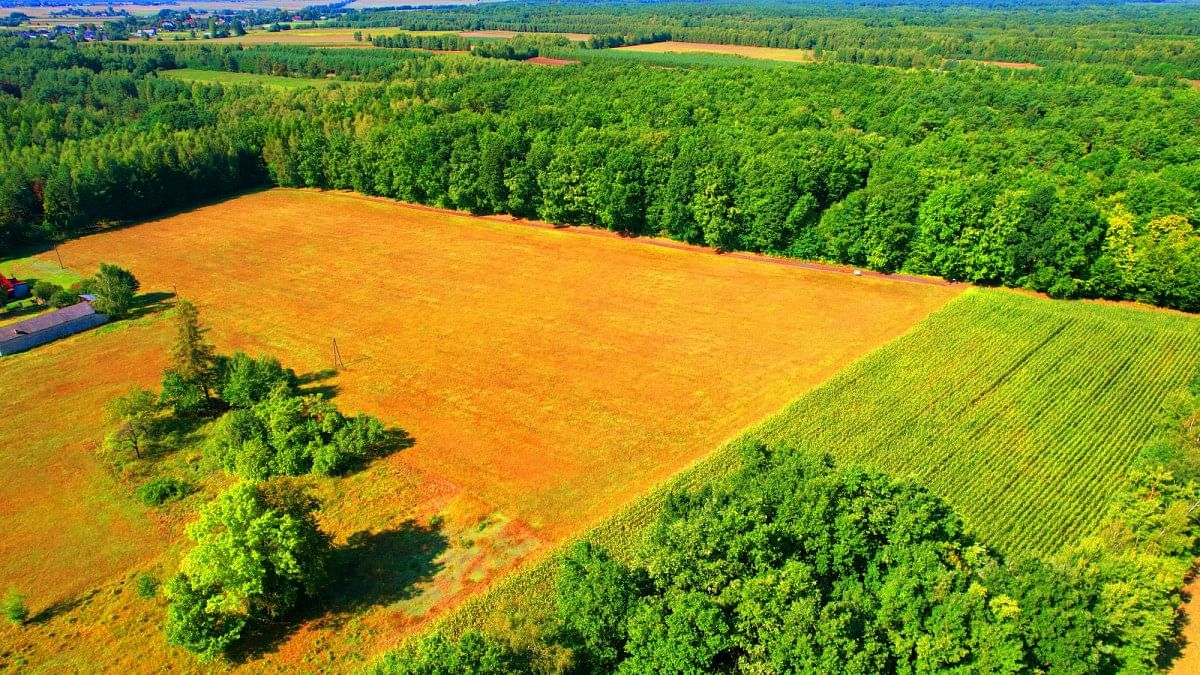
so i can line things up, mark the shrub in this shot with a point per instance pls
(147, 585)
(159, 491)
(14, 608)
(44, 291)
(63, 298)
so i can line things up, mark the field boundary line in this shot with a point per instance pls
(648, 240)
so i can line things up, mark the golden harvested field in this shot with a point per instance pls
(506, 34)
(765, 53)
(547, 377)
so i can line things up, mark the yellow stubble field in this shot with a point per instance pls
(547, 377)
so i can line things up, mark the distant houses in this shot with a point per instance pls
(39, 330)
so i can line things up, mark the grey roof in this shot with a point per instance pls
(45, 322)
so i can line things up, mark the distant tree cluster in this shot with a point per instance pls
(1153, 39)
(794, 564)
(445, 42)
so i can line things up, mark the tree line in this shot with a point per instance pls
(1155, 40)
(1056, 180)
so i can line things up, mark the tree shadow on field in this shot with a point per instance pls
(371, 570)
(150, 303)
(62, 606)
(317, 382)
(1172, 649)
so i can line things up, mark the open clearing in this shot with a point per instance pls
(222, 77)
(547, 378)
(765, 53)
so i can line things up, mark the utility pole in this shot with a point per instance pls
(338, 363)
(60, 264)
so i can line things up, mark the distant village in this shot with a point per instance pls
(114, 24)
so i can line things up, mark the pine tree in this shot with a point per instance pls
(192, 357)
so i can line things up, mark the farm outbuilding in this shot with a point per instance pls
(13, 289)
(39, 330)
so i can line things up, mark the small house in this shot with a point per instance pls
(13, 289)
(39, 330)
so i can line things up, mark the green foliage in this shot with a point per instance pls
(473, 654)
(147, 585)
(185, 397)
(134, 414)
(44, 291)
(158, 491)
(114, 289)
(63, 298)
(14, 608)
(258, 552)
(289, 435)
(245, 381)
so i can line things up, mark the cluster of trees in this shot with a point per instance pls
(793, 564)
(1151, 39)
(1058, 180)
(289, 435)
(270, 428)
(258, 550)
(443, 43)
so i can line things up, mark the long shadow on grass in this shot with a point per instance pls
(62, 607)
(150, 303)
(317, 382)
(371, 570)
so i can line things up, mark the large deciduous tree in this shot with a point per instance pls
(258, 552)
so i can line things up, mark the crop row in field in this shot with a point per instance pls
(1023, 413)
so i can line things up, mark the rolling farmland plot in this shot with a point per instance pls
(547, 377)
(1022, 413)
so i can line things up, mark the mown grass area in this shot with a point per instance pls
(1023, 413)
(223, 77)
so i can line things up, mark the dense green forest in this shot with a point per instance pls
(1060, 180)
(1151, 38)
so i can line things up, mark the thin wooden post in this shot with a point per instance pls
(338, 363)
(60, 263)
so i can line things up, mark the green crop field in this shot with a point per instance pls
(1023, 413)
(221, 77)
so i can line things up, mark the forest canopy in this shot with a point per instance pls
(1066, 180)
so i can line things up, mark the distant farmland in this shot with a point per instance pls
(548, 378)
(766, 53)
